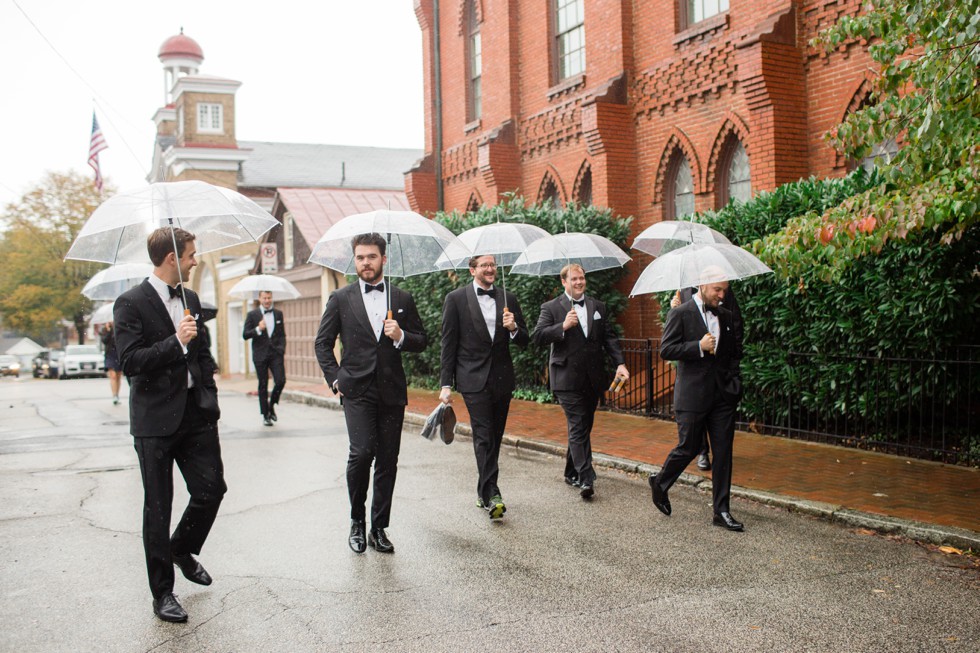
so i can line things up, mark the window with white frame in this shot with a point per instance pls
(474, 65)
(698, 10)
(570, 37)
(683, 190)
(739, 175)
(209, 118)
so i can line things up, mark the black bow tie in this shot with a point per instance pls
(175, 291)
(492, 292)
(711, 309)
(368, 287)
(264, 311)
(580, 302)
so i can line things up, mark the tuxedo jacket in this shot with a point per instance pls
(265, 346)
(576, 361)
(154, 361)
(469, 356)
(702, 379)
(730, 302)
(365, 358)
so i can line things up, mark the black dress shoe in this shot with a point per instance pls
(267, 420)
(192, 569)
(588, 490)
(573, 481)
(379, 541)
(272, 414)
(356, 539)
(725, 520)
(659, 496)
(704, 463)
(166, 608)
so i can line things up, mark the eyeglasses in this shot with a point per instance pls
(486, 266)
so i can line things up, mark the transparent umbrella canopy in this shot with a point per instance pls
(251, 286)
(694, 265)
(669, 235)
(102, 314)
(547, 256)
(108, 284)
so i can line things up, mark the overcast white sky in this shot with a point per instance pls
(332, 71)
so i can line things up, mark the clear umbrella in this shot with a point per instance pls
(108, 284)
(415, 244)
(102, 315)
(506, 241)
(547, 256)
(116, 232)
(694, 265)
(251, 286)
(669, 235)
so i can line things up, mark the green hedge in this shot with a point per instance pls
(530, 364)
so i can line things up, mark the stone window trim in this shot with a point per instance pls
(691, 32)
(472, 126)
(566, 86)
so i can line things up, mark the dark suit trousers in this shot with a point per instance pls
(375, 433)
(197, 452)
(719, 422)
(488, 418)
(579, 407)
(274, 363)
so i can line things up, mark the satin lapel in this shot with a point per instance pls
(356, 303)
(157, 304)
(590, 316)
(476, 314)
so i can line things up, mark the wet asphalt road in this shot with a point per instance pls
(558, 574)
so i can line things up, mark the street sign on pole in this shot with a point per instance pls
(270, 258)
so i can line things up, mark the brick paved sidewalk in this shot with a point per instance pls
(844, 479)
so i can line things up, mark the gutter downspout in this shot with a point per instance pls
(437, 119)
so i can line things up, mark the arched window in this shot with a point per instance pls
(680, 188)
(882, 152)
(474, 204)
(738, 180)
(550, 194)
(474, 65)
(585, 188)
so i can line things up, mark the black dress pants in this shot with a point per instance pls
(277, 366)
(579, 407)
(719, 422)
(197, 452)
(375, 432)
(488, 418)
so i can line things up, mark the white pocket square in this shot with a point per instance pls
(597, 316)
(401, 310)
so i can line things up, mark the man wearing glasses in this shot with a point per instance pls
(479, 323)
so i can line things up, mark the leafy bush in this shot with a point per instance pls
(530, 364)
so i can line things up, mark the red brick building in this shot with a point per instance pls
(653, 108)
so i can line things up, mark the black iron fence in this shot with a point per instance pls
(924, 408)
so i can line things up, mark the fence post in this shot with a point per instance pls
(649, 365)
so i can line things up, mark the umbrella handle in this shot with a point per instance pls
(389, 313)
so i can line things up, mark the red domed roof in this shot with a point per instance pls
(181, 46)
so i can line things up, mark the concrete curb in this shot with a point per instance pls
(931, 533)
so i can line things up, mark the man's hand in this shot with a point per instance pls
(392, 330)
(186, 330)
(446, 395)
(676, 300)
(261, 325)
(623, 373)
(509, 323)
(708, 343)
(571, 320)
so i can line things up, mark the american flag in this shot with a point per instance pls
(96, 145)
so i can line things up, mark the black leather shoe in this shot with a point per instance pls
(588, 490)
(573, 481)
(725, 520)
(267, 420)
(272, 414)
(192, 569)
(379, 541)
(356, 539)
(659, 496)
(166, 608)
(704, 463)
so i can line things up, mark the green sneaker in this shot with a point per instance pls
(496, 507)
(479, 502)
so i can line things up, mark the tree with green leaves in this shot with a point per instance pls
(925, 96)
(38, 288)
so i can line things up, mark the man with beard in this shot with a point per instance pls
(370, 381)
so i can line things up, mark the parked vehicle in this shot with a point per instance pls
(81, 360)
(9, 365)
(47, 363)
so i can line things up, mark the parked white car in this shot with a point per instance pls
(82, 360)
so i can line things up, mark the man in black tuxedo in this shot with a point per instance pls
(370, 381)
(265, 327)
(173, 414)
(731, 303)
(576, 326)
(479, 323)
(701, 336)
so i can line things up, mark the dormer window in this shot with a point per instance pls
(209, 118)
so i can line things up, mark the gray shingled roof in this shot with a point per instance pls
(272, 165)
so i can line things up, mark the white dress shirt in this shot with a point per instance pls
(175, 307)
(488, 306)
(376, 305)
(270, 320)
(583, 316)
(710, 321)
